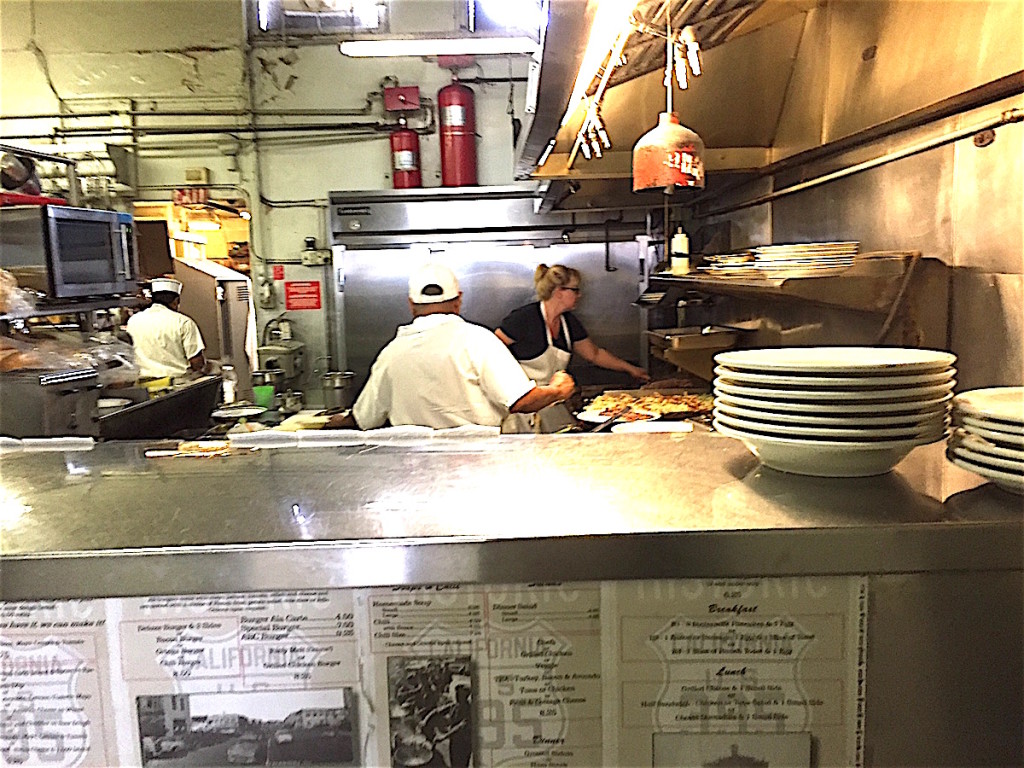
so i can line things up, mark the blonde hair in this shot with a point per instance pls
(547, 279)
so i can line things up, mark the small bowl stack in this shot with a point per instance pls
(989, 438)
(833, 411)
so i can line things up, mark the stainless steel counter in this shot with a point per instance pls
(111, 522)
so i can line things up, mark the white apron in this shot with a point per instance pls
(541, 369)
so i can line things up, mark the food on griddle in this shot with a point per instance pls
(649, 406)
(684, 403)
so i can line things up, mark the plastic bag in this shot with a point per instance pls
(13, 300)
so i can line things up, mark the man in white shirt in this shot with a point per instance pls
(166, 342)
(441, 371)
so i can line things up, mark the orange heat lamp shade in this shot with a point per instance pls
(667, 156)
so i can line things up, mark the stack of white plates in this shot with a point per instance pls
(788, 260)
(990, 437)
(833, 411)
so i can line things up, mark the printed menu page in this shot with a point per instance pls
(509, 674)
(735, 672)
(254, 678)
(54, 667)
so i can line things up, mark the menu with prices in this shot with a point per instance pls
(53, 673)
(520, 664)
(719, 670)
(258, 677)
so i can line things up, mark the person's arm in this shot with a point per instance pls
(599, 356)
(508, 342)
(539, 397)
(342, 421)
(193, 346)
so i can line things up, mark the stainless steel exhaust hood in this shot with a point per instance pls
(781, 79)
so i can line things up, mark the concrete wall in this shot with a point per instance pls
(158, 56)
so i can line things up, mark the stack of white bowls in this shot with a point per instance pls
(989, 438)
(833, 411)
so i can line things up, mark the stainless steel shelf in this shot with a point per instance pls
(111, 522)
(872, 284)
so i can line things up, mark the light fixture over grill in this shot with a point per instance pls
(670, 155)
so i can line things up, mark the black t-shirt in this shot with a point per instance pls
(525, 326)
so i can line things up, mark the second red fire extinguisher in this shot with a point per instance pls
(405, 159)
(457, 119)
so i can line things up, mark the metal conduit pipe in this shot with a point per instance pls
(213, 129)
(364, 110)
(1006, 118)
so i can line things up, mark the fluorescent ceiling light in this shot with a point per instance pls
(444, 46)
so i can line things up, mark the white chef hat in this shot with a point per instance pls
(432, 284)
(166, 284)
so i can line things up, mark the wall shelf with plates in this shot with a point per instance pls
(875, 282)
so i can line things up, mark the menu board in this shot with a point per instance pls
(647, 673)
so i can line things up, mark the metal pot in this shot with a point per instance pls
(272, 376)
(337, 386)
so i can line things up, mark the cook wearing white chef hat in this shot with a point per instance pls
(441, 371)
(167, 342)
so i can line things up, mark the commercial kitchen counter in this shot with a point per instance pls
(112, 522)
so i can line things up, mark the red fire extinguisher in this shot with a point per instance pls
(405, 159)
(458, 135)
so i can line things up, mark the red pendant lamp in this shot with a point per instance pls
(669, 155)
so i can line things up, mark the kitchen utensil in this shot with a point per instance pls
(237, 412)
(272, 376)
(337, 387)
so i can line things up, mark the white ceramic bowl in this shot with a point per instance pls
(934, 430)
(1003, 404)
(834, 419)
(823, 458)
(844, 408)
(1008, 481)
(991, 462)
(818, 381)
(979, 444)
(882, 394)
(838, 361)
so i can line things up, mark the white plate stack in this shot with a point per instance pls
(989, 438)
(833, 411)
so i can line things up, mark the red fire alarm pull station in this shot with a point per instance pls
(403, 98)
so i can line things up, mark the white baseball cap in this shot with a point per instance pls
(166, 284)
(432, 284)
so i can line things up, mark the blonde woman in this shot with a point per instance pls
(543, 335)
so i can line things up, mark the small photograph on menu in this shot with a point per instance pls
(731, 750)
(431, 702)
(313, 727)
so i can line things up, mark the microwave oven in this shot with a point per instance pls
(69, 253)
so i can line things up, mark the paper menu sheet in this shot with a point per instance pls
(54, 669)
(530, 652)
(254, 677)
(693, 659)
